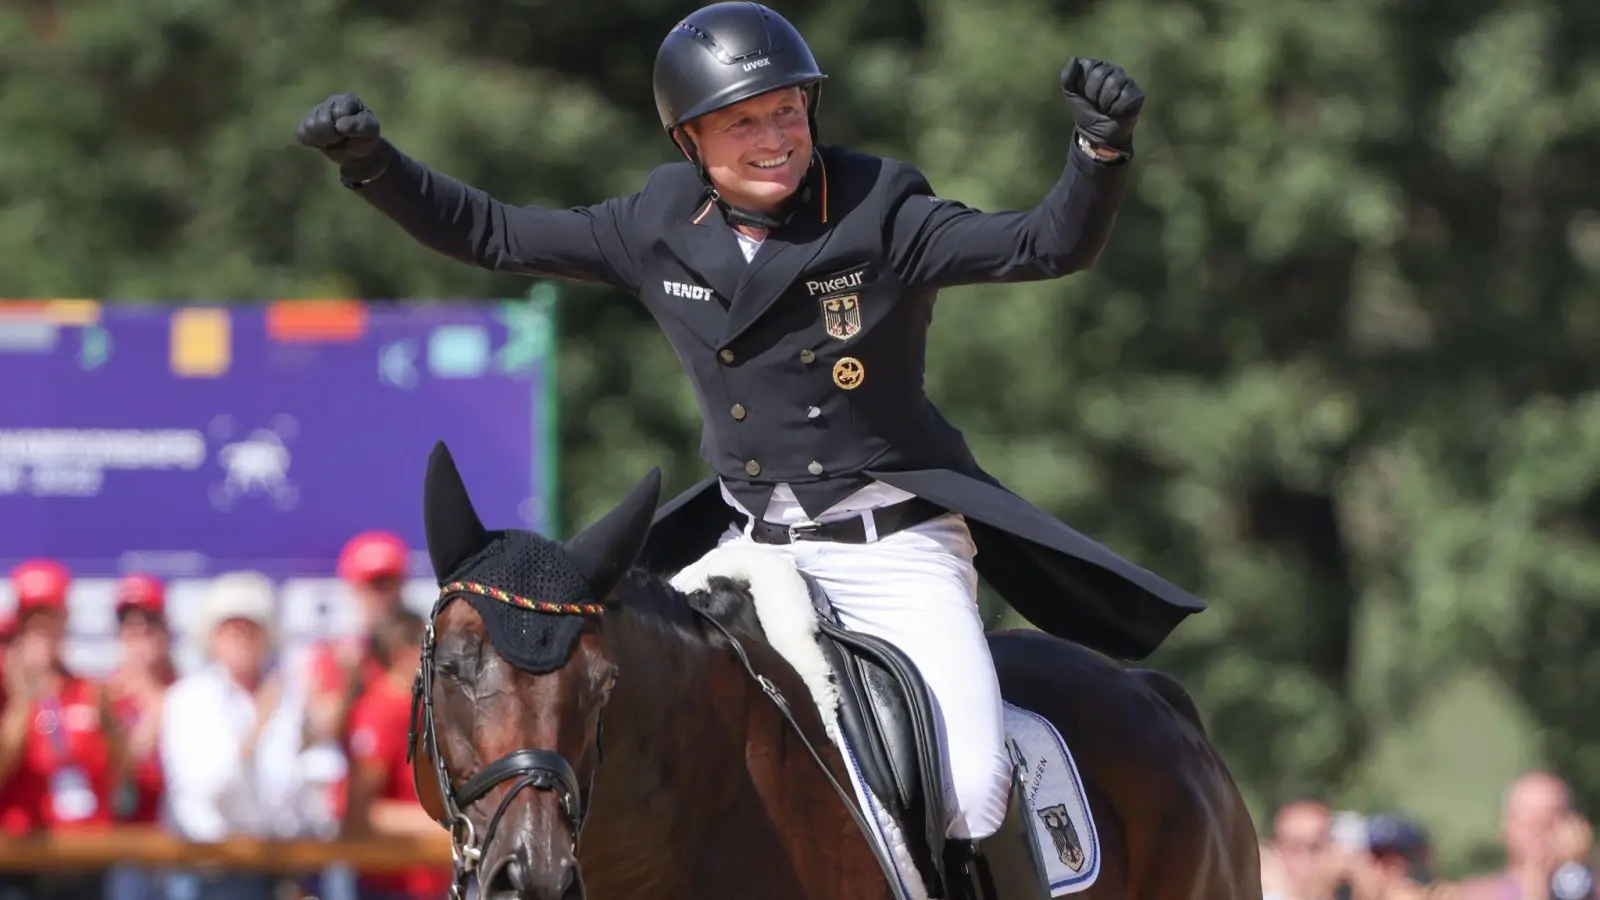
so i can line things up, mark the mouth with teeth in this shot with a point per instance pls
(773, 163)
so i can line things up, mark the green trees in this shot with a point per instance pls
(1335, 373)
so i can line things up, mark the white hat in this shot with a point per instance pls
(238, 595)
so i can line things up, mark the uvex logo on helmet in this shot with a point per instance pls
(728, 52)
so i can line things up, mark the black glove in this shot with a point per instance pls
(1105, 102)
(341, 128)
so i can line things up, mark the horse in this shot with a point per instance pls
(586, 730)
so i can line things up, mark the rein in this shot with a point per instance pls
(778, 700)
(547, 770)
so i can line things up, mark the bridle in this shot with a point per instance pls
(541, 770)
(547, 770)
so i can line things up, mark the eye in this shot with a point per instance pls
(451, 669)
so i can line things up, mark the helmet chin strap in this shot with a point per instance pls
(738, 215)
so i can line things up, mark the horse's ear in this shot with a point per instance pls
(453, 528)
(605, 550)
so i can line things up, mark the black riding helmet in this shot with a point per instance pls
(720, 55)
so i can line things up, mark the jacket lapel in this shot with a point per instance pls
(706, 246)
(782, 257)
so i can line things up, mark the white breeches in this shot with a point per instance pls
(918, 590)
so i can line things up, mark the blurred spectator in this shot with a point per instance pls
(1547, 846)
(1396, 862)
(137, 688)
(1274, 880)
(383, 796)
(373, 564)
(59, 744)
(231, 738)
(13, 814)
(1302, 851)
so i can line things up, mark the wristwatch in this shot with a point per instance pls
(1089, 149)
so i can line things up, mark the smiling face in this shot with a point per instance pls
(756, 151)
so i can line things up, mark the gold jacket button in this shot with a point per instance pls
(738, 412)
(726, 356)
(753, 467)
(815, 468)
(807, 357)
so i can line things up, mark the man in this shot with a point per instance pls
(59, 744)
(136, 689)
(373, 564)
(231, 737)
(1303, 851)
(383, 794)
(1546, 846)
(137, 686)
(796, 282)
(1393, 861)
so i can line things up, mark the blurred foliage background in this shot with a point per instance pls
(1336, 372)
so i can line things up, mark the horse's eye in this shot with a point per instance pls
(450, 669)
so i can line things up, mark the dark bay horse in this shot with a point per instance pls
(564, 693)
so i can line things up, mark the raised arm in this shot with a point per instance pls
(941, 243)
(935, 242)
(585, 244)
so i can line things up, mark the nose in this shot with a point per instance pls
(516, 878)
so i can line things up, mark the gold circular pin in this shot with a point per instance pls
(848, 373)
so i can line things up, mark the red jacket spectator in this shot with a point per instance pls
(144, 673)
(55, 752)
(373, 564)
(382, 794)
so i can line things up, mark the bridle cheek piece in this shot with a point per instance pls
(541, 770)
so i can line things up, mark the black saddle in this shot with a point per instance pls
(887, 716)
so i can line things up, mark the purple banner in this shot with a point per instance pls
(186, 441)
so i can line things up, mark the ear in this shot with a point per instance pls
(452, 526)
(604, 551)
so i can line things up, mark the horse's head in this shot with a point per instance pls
(515, 675)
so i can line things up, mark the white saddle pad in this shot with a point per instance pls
(1063, 830)
(1062, 827)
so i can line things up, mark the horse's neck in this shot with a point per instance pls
(699, 761)
(668, 744)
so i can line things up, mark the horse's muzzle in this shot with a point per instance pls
(518, 878)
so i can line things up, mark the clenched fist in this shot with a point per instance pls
(341, 128)
(1105, 101)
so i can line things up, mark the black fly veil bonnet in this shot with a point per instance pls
(534, 596)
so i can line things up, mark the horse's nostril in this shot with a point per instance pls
(511, 879)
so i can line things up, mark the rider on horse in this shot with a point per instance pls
(796, 283)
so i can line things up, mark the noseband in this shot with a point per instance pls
(541, 770)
